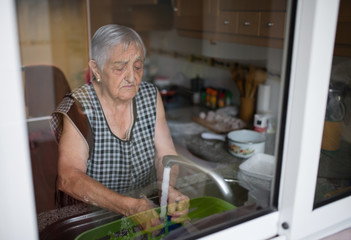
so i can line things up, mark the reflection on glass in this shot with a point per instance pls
(217, 66)
(54, 54)
(334, 173)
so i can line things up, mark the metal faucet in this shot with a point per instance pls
(170, 160)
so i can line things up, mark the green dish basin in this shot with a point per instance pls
(125, 228)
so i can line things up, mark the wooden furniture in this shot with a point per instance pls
(55, 33)
(343, 31)
(250, 22)
(253, 22)
(143, 15)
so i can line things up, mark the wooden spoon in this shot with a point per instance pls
(240, 81)
(237, 76)
(260, 76)
(249, 81)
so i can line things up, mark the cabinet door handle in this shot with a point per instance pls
(247, 23)
(270, 24)
(226, 22)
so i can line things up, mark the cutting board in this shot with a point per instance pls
(213, 126)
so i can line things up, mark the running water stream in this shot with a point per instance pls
(164, 196)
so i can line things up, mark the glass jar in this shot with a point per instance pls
(334, 117)
(335, 107)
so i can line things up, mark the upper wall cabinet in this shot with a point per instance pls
(148, 2)
(143, 15)
(195, 15)
(256, 22)
(343, 31)
(252, 22)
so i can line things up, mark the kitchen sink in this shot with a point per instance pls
(125, 228)
(71, 227)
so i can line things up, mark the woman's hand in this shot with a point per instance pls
(143, 213)
(178, 206)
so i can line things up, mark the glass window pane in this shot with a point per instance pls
(54, 57)
(334, 173)
(218, 68)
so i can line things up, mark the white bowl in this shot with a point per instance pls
(245, 143)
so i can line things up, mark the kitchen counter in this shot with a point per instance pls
(334, 169)
(187, 137)
(211, 154)
(49, 217)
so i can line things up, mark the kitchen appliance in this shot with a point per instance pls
(241, 143)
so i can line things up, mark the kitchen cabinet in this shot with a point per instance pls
(250, 22)
(343, 31)
(61, 41)
(150, 17)
(99, 14)
(147, 2)
(227, 22)
(264, 24)
(135, 2)
(272, 24)
(196, 15)
(141, 15)
(252, 5)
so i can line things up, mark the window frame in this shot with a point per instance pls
(312, 60)
(312, 55)
(295, 217)
(17, 205)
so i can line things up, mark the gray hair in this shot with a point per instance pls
(109, 36)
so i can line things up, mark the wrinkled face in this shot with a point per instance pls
(122, 72)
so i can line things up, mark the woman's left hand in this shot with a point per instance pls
(178, 206)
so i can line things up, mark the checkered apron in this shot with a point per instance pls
(122, 166)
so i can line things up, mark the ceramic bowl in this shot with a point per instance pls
(245, 143)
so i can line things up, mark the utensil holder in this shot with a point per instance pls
(332, 135)
(247, 110)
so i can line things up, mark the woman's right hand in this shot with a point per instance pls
(144, 214)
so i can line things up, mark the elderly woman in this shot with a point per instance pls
(112, 133)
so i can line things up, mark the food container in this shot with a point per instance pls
(258, 171)
(256, 175)
(261, 122)
(241, 143)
